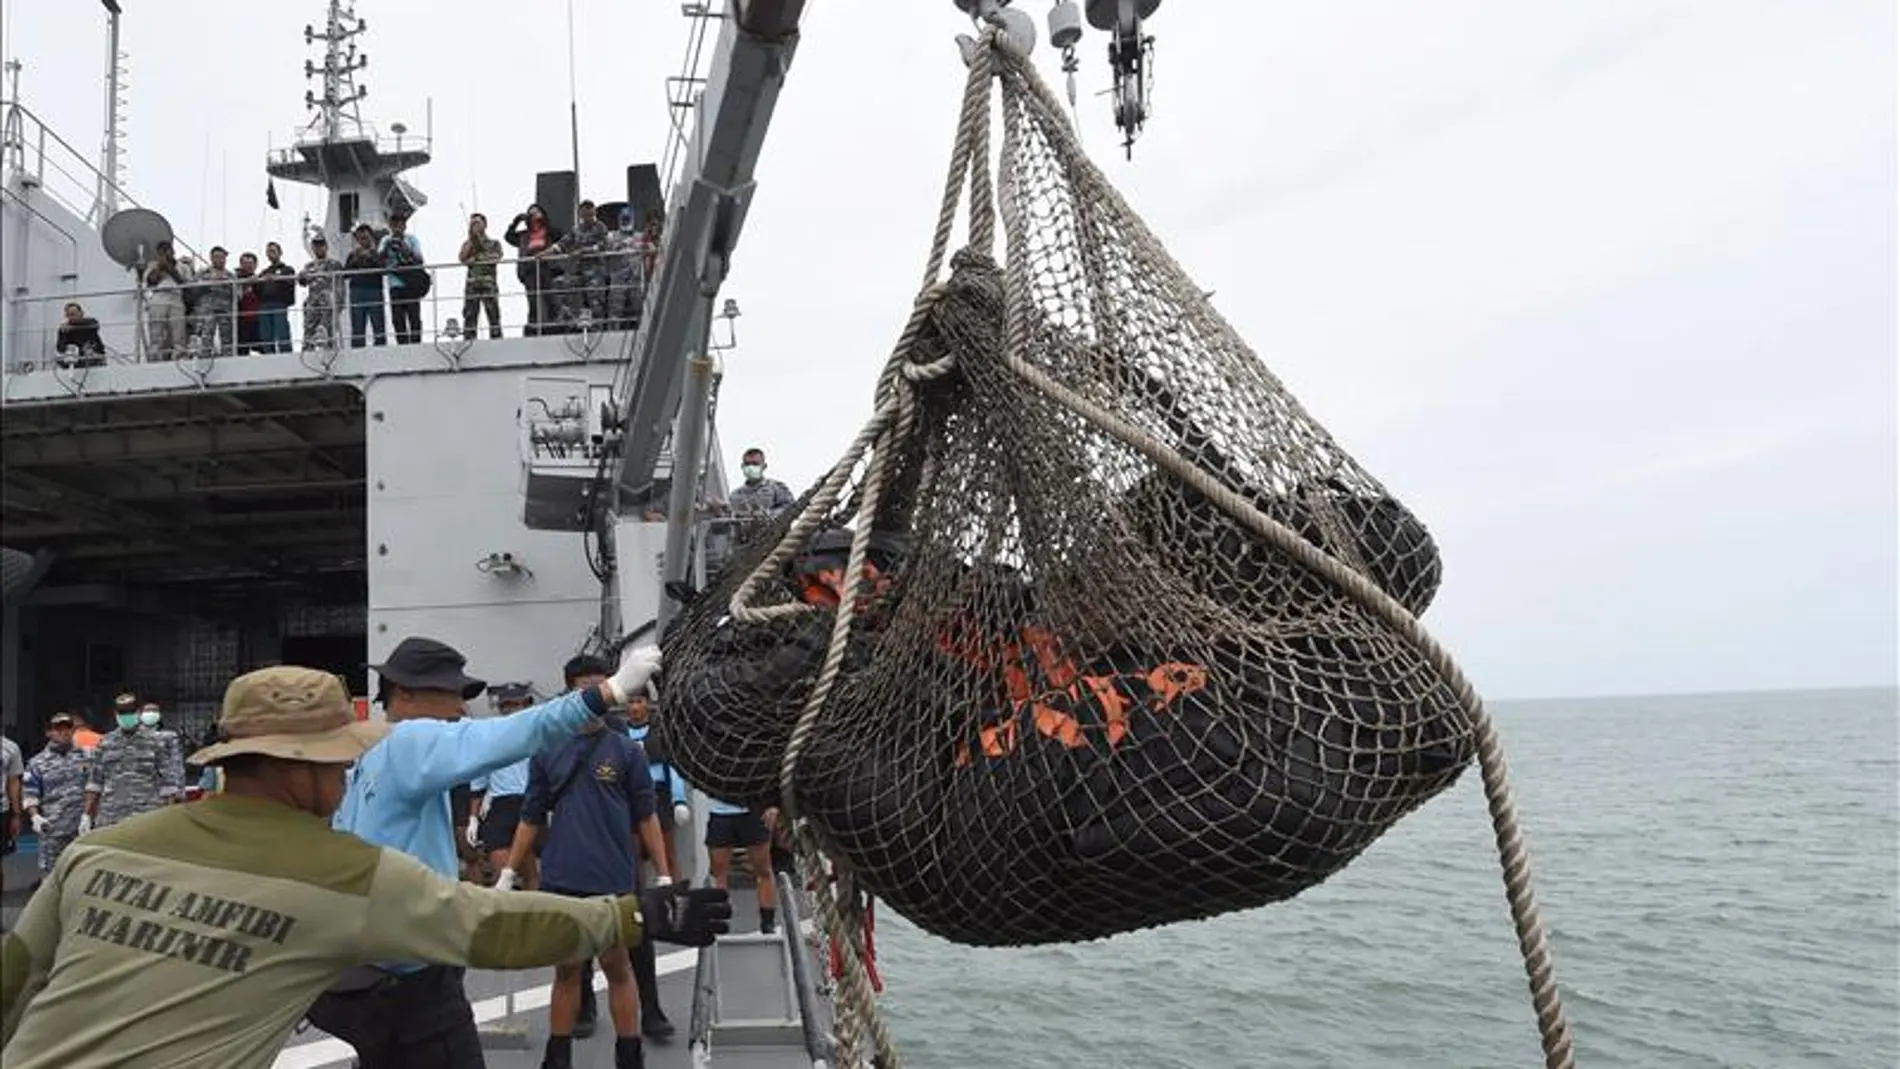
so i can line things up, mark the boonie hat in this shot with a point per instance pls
(425, 664)
(298, 714)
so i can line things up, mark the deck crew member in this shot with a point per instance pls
(13, 773)
(319, 276)
(406, 1014)
(625, 293)
(364, 270)
(585, 272)
(532, 233)
(213, 301)
(150, 718)
(409, 281)
(593, 800)
(55, 790)
(197, 936)
(480, 292)
(580, 673)
(165, 280)
(758, 496)
(669, 788)
(734, 827)
(136, 769)
(495, 799)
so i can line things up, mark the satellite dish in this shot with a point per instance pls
(131, 235)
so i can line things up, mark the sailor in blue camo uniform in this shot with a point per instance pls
(758, 496)
(134, 770)
(622, 252)
(55, 794)
(585, 244)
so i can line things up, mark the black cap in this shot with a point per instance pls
(425, 664)
(60, 718)
(502, 693)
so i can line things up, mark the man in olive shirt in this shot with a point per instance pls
(198, 935)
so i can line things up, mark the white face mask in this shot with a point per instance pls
(148, 717)
(753, 472)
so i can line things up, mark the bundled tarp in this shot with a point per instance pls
(1085, 690)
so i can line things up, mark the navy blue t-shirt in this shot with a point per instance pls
(589, 846)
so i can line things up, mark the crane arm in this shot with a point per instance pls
(756, 42)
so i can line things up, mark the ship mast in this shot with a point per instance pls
(337, 149)
(105, 201)
(341, 94)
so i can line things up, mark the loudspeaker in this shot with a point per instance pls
(559, 195)
(643, 192)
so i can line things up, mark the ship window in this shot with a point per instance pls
(346, 211)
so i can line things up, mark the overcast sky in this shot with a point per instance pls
(1604, 291)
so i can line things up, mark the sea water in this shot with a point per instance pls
(1717, 872)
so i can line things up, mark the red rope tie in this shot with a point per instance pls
(870, 949)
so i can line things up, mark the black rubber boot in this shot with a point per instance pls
(628, 1053)
(653, 1022)
(560, 1054)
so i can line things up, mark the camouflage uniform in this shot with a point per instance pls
(56, 786)
(212, 308)
(320, 304)
(767, 497)
(134, 771)
(480, 291)
(587, 274)
(622, 253)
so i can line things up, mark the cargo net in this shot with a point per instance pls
(1094, 627)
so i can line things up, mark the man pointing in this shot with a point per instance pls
(409, 1014)
(196, 935)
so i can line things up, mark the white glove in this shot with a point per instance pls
(505, 881)
(682, 814)
(636, 667)
(85, 823)
(40, 824)
(662, 881)
(473, 833)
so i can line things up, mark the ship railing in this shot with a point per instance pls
(308, 140)
(39, 161)
(581, 296)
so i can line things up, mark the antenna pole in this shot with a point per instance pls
(106, 201)
(573, 104)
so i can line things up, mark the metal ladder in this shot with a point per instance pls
(756, 1001)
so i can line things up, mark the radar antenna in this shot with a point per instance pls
(337, 107)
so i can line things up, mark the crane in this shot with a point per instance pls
(665, 391)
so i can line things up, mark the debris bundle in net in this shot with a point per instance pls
(1085, 690)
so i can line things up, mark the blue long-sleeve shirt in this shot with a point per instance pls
(398, 794)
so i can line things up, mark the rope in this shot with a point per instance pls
(845, 917)
(1513, 856)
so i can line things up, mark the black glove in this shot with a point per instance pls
(690, 916)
